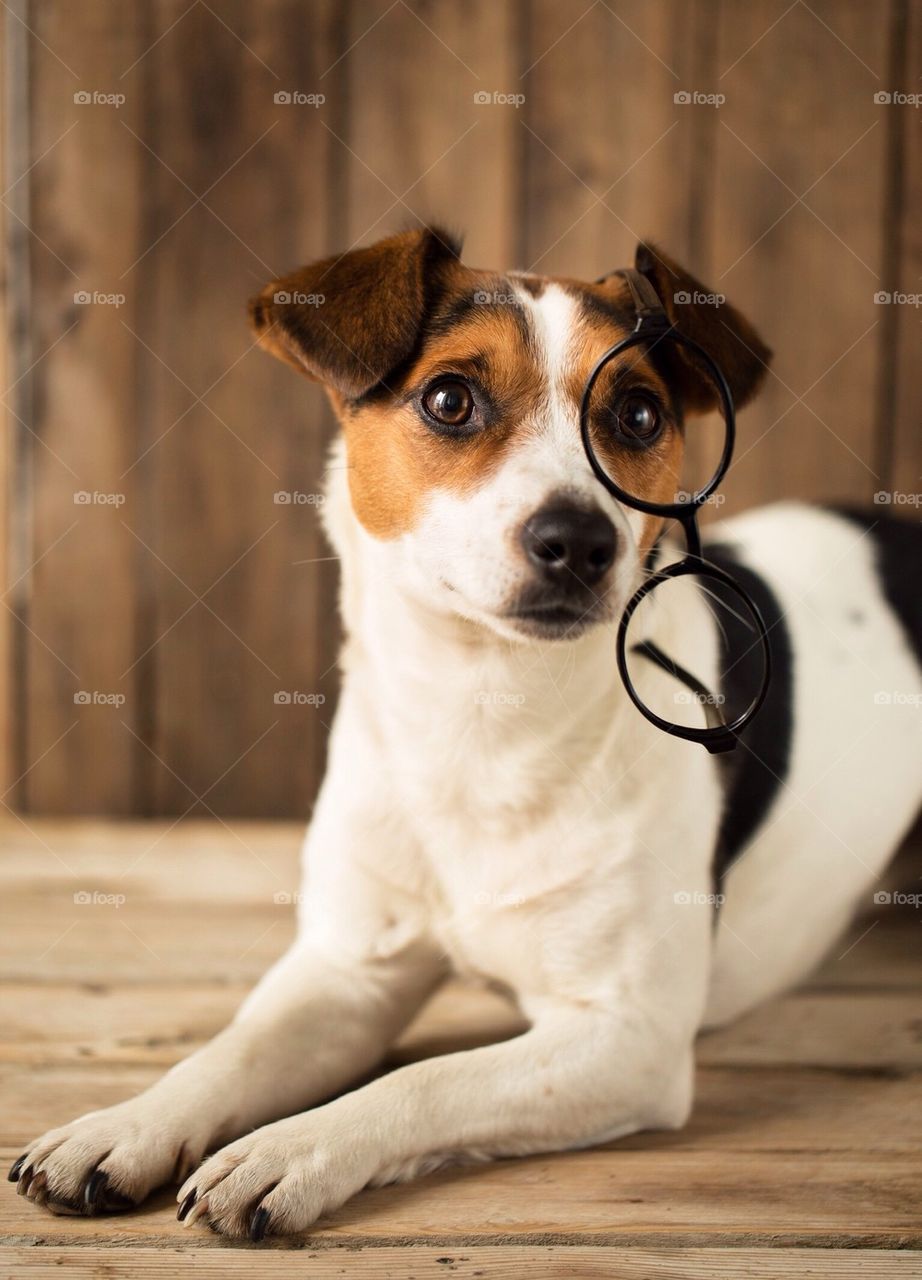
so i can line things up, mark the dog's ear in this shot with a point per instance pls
(348, 321)
(707, 318)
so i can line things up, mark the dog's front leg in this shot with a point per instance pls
(580, 1075)
(317, 1022)
(314, 1025)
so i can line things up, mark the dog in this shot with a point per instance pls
(494, 805)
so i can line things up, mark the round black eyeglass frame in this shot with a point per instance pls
(652, 327)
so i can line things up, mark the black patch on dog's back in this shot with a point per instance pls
(755, 772)
(898, 552)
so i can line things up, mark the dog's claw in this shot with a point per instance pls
(25, 1179)
(259, 1224)
(186, 1204)
(100, 1197)
(94, 1190)
(38, 1187)
(16, 1168)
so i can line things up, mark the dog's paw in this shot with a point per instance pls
(277, 1180)
(105, 1162)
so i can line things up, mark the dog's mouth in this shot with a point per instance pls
(556, 620)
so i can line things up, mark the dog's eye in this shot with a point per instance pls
(450, 403)
(638, 418)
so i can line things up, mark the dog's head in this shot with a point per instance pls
(458, 391)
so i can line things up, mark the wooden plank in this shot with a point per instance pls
(237, 618)
(798, 1137)
(904, 396)
(139, 942)
(642, 1197)
(807, 279)
(9, 433)
(193, 861)
(458, 149)
(85, 194)
(94, 1023)
(555, 1262)
(875, 956)
(842, 1029)
(17, 384)
(609, 156)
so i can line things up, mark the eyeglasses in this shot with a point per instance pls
(662, 622)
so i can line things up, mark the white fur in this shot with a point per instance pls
(495, 806)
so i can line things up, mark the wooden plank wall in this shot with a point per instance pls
(190, 597)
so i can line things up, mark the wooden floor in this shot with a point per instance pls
(802, 1156)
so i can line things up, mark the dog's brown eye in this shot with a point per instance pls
(450, 403)
(638, 418)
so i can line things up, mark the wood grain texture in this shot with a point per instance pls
(84, 202)
(802, 1135)
(8, 432)
(237, 183)
(555, 1262)
(609, 156)
(553, 137)
(901, 386)
(417, 144)
(797, 238)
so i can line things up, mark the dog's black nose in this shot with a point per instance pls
(568, 542)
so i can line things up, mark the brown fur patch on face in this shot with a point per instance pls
(652, 473)
(480, 333)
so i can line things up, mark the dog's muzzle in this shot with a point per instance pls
(569, 550)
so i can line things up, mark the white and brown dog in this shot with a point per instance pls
(551, 841)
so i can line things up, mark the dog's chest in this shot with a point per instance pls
(511, 889)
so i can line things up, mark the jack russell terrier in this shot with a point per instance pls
(494, 804)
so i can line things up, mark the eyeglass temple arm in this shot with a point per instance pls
(651, 314)
(711, 714)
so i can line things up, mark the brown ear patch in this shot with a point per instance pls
(706, 317)
(349, 321)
